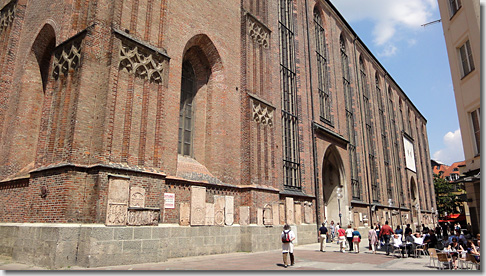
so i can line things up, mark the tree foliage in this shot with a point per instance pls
(446, 200)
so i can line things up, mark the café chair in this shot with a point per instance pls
(444, 259)
(432, 255)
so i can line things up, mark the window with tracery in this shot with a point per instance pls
(290, 119)
(353, 157)
(322, 70)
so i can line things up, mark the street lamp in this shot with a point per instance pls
(339, 196)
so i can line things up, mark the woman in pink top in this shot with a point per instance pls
(373, 238)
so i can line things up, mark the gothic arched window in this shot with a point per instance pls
(186, 111)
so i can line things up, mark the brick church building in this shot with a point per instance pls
(171, 119)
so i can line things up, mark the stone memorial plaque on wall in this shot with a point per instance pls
(219, 202)
(268, 216)
(307, 214)
(116, 214)
(184, 214)
(289, 207)
(117, 207)
(281, 209)
(229, 212)
(259, 216)
(198, 205)
(137, 197)
(244, 215)
(142, 216)
(298, 213)
(209, 213)
(275, 213)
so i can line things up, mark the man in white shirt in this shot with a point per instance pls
(288, 247)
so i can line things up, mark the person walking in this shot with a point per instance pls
(373, 240)
(322, 236)
(287, 237)
(385, 232)
(349, 237)
(356, 240)
(341, 239)
(332, 229)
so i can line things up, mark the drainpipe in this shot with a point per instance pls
(362, 129)
(314, 150)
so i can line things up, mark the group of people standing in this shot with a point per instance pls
(351, 236)
(383, 235)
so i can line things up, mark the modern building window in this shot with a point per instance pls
(454, 6)
(290, 119)
(186, 110)
(322, 70)
(476, 127)
(466, 58)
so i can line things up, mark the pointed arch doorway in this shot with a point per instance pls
(333, 178)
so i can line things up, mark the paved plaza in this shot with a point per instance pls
(308, 257)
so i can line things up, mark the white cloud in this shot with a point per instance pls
(388, 16)
(412, 42)
(453, 151)
(388, 51)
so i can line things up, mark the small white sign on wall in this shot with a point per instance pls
(169, 200)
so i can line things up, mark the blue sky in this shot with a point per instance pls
(416, 57)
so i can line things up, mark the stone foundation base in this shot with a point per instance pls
(93, 245)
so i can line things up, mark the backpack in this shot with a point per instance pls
(286, 237)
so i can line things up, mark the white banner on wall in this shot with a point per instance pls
(169, 200)
(409, 154)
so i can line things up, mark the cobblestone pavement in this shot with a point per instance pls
(307, 257)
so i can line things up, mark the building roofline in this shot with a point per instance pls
(373, 56)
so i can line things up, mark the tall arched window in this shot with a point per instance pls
(353, 157)
(322, 77)
(370, 133)
(186, 110)
(290, 119)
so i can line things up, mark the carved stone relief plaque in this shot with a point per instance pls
(137, 197)
(209, 213)
(198, 205)
(275, 213)
(229, 210)
(116, 214)
(143, 217)
(117, 208)
(298, 213)
(244, 215)
(289, 207)
(219, 202)
(307, 214)
(267, 214)
(281, 209)
(260, 216)
(184, 214)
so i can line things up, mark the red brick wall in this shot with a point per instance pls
(101, 113)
